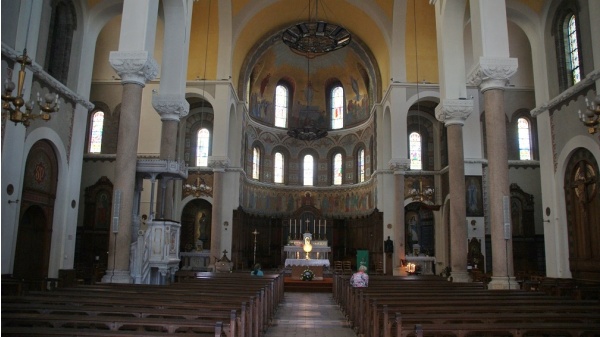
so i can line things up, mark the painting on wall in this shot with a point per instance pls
(474, 195)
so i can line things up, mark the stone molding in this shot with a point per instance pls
(399, 165)
(218, 162)
(454, 111)
(136, 67)
(170, 107)
(569, 94)
(492, 72)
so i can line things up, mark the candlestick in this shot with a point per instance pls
(325, 227)
(295, 228)
(314, 226)
(290, 235)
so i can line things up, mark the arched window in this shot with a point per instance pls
(567, 38)
(63, 23)
(255, 163)
(281, 106)
(203, 143)
(95, 143)
(337, 107)
(337, 169)
(572, 49)
(414, 141)
(524, 139)
(309, 170)
(278, 168)
(361, 165)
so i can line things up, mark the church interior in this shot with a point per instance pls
(147, 141)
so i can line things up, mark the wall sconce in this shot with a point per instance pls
(591, 117)
(226, 224)
(11, 105)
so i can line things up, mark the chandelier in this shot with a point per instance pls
(313, 37)
(198, 188)
(420, 193)
(12, 105)
(591, 117)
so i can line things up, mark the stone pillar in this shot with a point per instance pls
(492, 74)
(135, 68)
(219, 164)
(399, 166)
(453, 113)
(170, 108)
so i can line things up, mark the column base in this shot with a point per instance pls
(503, 283)
(117, 276)
(460, 277)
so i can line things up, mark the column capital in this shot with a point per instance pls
(134, 66)
(218, 163)
(492, 72)
(170, 107)
(454, 111)
(399, 165)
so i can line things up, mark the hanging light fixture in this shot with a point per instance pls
(591, 117)
(314, 37)
(198, 188)
(419, 192)
(12, 105)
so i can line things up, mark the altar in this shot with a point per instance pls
(316, 259)
(424, 263)
(195, 260)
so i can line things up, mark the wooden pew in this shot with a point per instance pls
(451, 306)
(200, 305)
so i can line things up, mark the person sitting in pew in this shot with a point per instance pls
(360, 279)
(257, 271)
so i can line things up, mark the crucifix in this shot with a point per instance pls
(584, 184)
(307, 225)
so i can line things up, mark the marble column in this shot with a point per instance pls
(135, 68)
(492, 74)
(219, 165)
(170, 108)
(453, 113)
(399, 166)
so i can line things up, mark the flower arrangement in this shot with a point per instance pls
(307, 275)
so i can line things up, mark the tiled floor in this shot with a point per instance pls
(309, 314)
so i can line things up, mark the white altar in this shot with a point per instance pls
(425, 263)
(195, 260)
(316, 259)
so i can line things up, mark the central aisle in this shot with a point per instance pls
(309, 314)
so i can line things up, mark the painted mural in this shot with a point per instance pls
(354, 201)
(309, 81)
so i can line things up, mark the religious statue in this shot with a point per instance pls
(388, 246)
(200, 225)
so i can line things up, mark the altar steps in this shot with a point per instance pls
(314, 286)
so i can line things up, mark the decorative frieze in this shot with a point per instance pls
(218, 162)
(134, 66)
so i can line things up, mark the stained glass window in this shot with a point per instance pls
(203, 141)
(524, 139)
(96, 132)
(308, 170)
(278, 168)
(414, 140)
(573, 50)
(337, 108)
(255, 163)
(281, 106)
(361, 165)
(337, 169)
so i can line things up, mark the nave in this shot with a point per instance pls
(307, 314)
